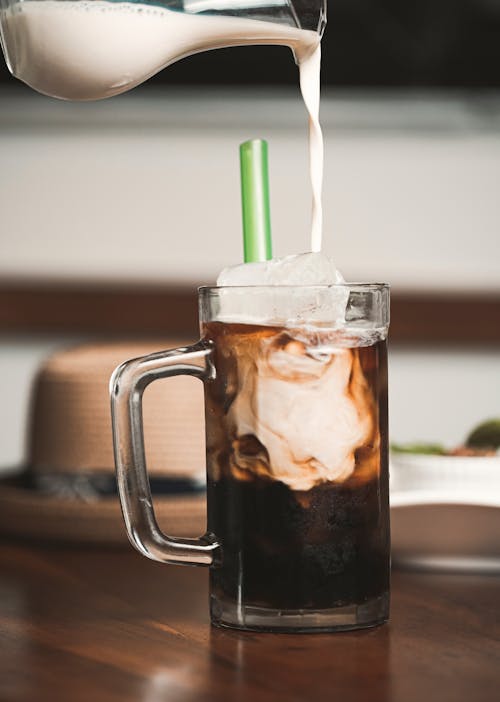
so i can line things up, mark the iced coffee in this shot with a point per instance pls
(296, 418)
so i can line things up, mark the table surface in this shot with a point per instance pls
(100, 625)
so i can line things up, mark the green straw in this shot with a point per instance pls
(255, 201)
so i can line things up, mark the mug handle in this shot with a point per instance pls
(127, 386)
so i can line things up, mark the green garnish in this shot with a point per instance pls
(428, 449)
(486, 435)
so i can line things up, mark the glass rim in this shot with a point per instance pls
(355, 287)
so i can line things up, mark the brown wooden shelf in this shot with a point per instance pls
(76, 308)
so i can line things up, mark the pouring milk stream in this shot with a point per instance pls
(92, 49)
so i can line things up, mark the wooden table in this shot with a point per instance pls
(97, 626)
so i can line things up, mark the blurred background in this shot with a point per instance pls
(113, 212)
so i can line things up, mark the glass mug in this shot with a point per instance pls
(296, 442)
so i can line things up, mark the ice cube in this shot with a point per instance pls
(299, 269)
(286, 300)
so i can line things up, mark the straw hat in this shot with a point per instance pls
(67, 491)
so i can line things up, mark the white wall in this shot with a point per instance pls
(147, 187)
(440, 395)
(19, 360)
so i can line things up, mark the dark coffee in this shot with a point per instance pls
(297, 470)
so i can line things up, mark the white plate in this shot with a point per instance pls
(444, 473)
(445, 512)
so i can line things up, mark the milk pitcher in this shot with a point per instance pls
(92, 49)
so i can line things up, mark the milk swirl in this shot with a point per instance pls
(302, 448)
